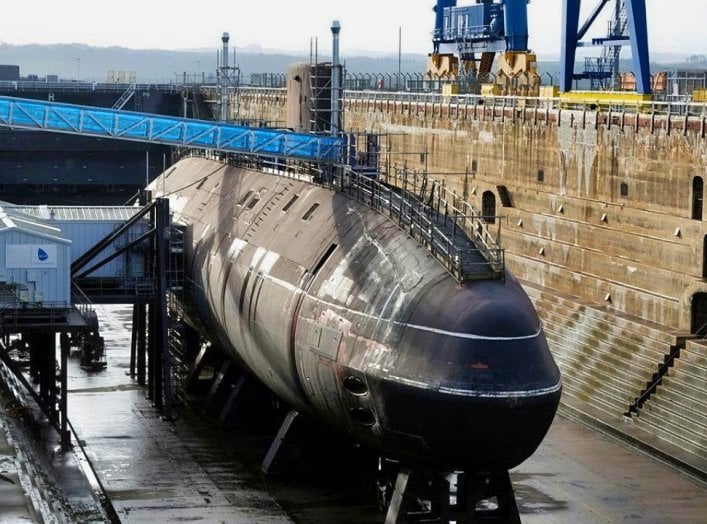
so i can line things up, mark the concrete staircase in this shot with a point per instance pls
(677, 411)
(608, 359)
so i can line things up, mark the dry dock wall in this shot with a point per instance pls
(600, 230)
(570, 226)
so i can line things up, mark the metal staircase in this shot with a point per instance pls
(125, 97)
(603, 71)
(320, 98)
(175, 265)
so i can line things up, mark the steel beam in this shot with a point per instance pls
(570, 24)
(638, 29)
(572, 34)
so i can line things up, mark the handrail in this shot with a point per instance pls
(432, 227)
(81, 301)
(656, 380)
(511, 102)
(462, 242)
(85, 87)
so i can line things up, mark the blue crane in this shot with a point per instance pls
(479, 31)
(627, 27)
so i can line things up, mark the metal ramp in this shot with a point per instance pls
(18, 113)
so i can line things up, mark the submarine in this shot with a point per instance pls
(347, 318)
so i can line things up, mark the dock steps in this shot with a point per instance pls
(608, 359)
(677, 410)
(505, 196)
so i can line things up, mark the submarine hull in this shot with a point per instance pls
(346, 317)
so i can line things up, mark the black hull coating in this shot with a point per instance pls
(345, 317)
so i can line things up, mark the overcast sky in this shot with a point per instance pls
(367, 25)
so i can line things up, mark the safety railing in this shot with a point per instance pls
(589, 104)
(518, 102)
(136, 278)
(18, 315)
(451, 228)
(431, 225)
(84, 87)
(474, 224)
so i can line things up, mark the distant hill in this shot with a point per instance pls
(150, 65)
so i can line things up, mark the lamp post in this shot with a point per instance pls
(78, 70)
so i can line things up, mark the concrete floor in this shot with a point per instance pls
(190, 469)
(14, 503)
(581, 476)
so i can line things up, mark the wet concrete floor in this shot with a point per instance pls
(190, 469)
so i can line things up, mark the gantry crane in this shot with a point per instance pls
(627, 27)
(479, 31)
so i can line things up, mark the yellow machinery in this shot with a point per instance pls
(480, 31)
(516, 72)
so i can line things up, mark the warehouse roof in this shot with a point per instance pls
(80, 213)
(13, 220)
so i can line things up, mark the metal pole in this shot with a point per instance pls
(133, 343)
(161, 327)
(400, 54)
(64, 401)
(335, 77)
(141, 342)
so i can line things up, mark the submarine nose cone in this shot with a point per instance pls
(478, 355)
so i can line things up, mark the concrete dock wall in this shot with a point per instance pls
(569, 226)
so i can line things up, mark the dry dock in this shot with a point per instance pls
(191, 470)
